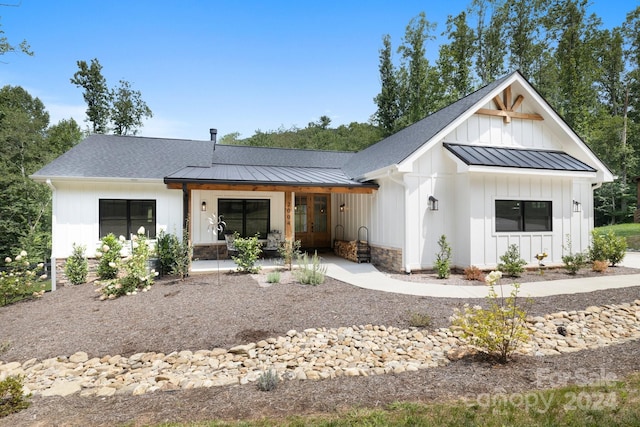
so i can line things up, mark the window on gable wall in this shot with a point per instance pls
(245, 216)
(125, 217)
(523, 215)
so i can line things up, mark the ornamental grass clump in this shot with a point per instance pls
(268, 380)
(497, 330)
(19, 279)
(310, 273)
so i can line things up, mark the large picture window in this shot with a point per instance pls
(245, 216)
(521, 215)
(125, 217)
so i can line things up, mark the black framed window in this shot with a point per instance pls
(125, 217)
(523, 215)
(246, 216)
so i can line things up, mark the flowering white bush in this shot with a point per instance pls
(19, 279)
(137, 277)
(109, 257)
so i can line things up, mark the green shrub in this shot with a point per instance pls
(511, 263)
(248, 252)
(607, 247)
(289, 251)
(11, 397)
(109, 255)
(19, 279)
(573, 262)
(166, 244)
(76, 268)
(273, 277)
(443, 258)
(310, 273)
(268, 380)
(499, 329)
(174, 256)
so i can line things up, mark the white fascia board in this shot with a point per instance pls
(44, 179)
(529, 172)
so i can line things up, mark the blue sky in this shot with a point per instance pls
(238, 66)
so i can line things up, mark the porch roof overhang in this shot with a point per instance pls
(267, 178)
(517, 161)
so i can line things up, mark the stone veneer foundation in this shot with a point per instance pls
(387, 258)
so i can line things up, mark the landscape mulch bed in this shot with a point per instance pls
(222, 310)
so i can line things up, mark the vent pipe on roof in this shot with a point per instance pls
(213, 132)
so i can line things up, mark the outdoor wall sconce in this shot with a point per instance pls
(203, 207)
(342, 207)
(433, 203)
(577, 206)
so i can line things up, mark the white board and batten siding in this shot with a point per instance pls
(466, 214)
(76, 211)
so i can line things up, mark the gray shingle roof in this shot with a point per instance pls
(397, 147)
(517, 158)
(113, 156)
(265, 156)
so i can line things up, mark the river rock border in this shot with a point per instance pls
(312, 354)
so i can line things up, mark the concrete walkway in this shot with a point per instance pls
(368, 277)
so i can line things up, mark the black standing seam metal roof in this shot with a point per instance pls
(254, 174)
(517, 158)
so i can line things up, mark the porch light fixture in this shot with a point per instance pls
(203, 207)
(433, 203)
(577, 206)
(342, 207)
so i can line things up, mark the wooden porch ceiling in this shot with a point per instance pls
(274, 187)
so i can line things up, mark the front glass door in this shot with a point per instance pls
(312, 220)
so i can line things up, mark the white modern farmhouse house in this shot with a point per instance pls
(496, 168)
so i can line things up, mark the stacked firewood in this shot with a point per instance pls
(347, 249)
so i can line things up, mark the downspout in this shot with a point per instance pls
(53, 229)
(403, 184)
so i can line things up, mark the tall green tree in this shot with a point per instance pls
(522, 28)
(128, 109)
(490, 44)
(121, 109)
(456, 58)
(23, 203)
(96, 94)
(414, 98)
(387, 101)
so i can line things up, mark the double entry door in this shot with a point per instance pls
(312, 220)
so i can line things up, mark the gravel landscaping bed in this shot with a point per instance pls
(210, 311)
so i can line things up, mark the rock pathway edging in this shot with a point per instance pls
(313, 354)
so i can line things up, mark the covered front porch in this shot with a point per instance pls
(276, 213)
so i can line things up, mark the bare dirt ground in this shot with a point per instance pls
(223, 310)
